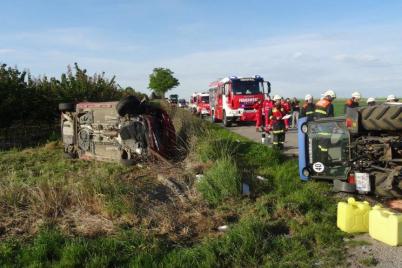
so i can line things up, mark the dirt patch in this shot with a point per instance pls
(166, 205)
(158, 200)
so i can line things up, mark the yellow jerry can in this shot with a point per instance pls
(385, 226)
(353, 216)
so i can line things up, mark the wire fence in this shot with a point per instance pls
(22, 135)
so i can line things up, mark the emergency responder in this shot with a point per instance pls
(371, 101)
(308, 108)
(278, 125)
(258, 114)
(295, 111)
(352, 102)
(287, 106)
(267, 106)
(391, 98)
(324, 107)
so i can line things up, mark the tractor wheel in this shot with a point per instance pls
(382, 117)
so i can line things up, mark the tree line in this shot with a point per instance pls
(25, 99)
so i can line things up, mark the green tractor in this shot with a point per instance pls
(361, 151)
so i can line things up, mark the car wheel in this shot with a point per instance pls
(128, 105)
(66, 107)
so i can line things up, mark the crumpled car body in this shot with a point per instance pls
(116, 131)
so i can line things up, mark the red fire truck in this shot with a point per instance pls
(200, 104)
(232, 98)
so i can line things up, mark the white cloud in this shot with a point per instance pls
(295, 65)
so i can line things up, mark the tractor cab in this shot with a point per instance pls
(326, 153)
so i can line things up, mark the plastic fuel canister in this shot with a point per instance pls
(353, 216)
(385, 226)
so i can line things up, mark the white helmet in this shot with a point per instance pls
(391, 98)
(371, 99)
(356, 95)
(330, 93)
(277, 97)
(308, 97)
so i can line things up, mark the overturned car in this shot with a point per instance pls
(127, 131)
(361, 151)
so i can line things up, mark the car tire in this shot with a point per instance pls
(127, 162)
(129, 105)
(66, 107)
(69, 155)
(382, 117)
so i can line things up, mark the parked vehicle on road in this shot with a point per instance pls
(126, 131)
(202, 102)
(182, 103)
(173, 99)
(233, 98)
(361, 151)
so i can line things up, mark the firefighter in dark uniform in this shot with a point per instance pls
(352, 102)
(278, 125)
(324, 108)
(308, 108)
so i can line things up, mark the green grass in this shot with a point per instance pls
(284, 223)
(221, 181)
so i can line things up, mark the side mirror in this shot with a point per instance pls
(268, 87)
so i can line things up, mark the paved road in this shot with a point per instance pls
(249, 132)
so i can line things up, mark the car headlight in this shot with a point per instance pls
(304, 128)
(306, 172)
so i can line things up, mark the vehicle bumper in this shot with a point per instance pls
(302, 139)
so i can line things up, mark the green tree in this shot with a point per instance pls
(162, 80)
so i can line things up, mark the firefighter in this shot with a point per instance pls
(371, 101)
(352, 102)
(391, 98)
(324, 107)
(308, 108)
(267, 106)
(258, 114)
(278, 126)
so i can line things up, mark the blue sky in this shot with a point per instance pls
(300, 46)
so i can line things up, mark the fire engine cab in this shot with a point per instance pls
(232, 98)
(203, 107)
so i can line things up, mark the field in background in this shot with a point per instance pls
(78, 213)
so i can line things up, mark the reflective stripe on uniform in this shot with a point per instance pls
(275, 142)
(320, 111)
(322, 149)
(310, 112)
(277, 131)
(324, 134)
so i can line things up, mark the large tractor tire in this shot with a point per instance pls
(387, 186)
(382, 117)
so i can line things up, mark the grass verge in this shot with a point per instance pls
(284, 222)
